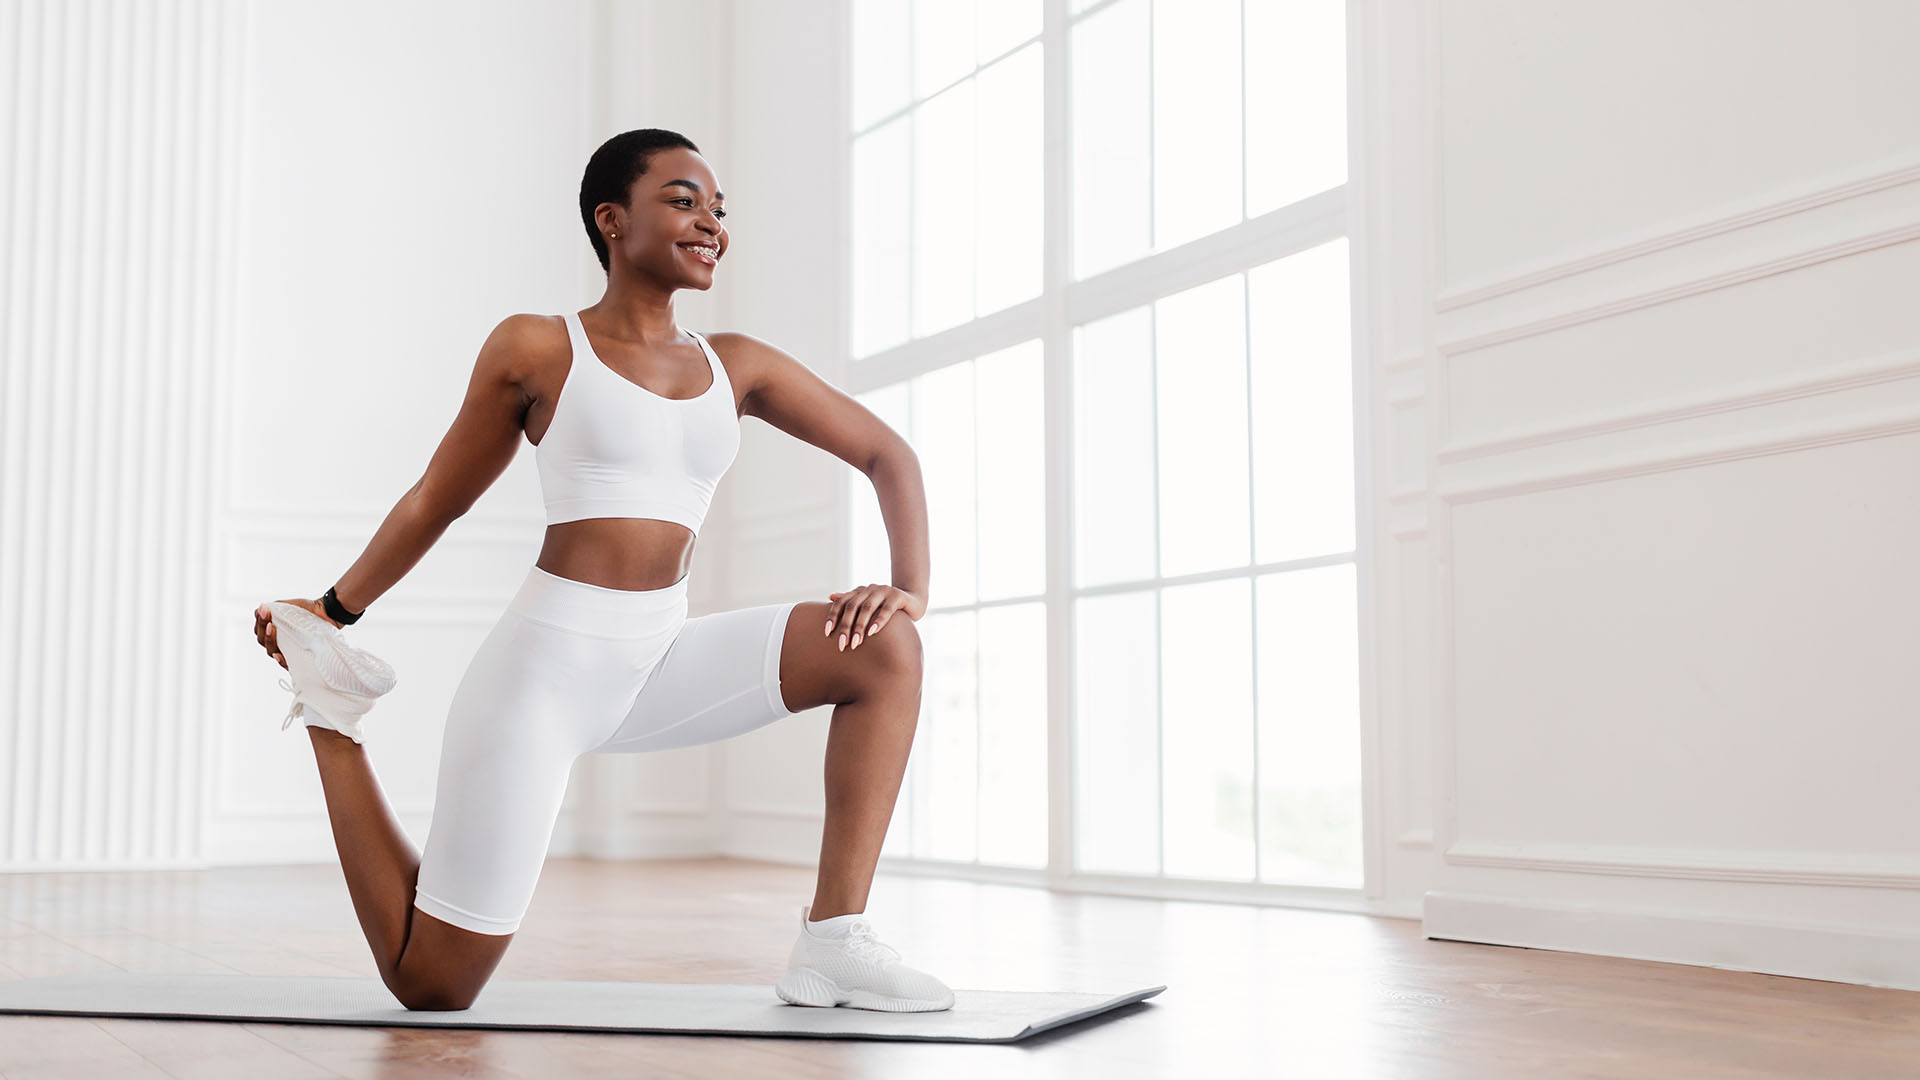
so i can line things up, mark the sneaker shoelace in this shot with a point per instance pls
(862, 942)
(299, 707)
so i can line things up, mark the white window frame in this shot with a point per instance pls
(1063, 304)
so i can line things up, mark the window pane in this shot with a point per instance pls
(1113, 449)
(1008, 196)
(880, 224)
(943, 211)
(870, 557)
(879, 60)
(1302, 385)
(947, 787)
(1206, 642)
(1196, 119)
(1002, 24)
(1309, 727)
(1013, 735)
(1112, 159)
(1296, 101)
(942, 43)
(1116, 735)
(943, 438)
(1200, 377)
(1011, 439)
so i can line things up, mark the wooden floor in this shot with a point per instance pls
(1250, 991)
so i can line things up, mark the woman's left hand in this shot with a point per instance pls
(862, 612)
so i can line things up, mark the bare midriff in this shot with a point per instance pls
(634, 554)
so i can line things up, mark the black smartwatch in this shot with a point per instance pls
(337, 611)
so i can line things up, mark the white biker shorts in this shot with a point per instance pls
(571, 669)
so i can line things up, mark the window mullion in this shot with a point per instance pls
(1057, 377)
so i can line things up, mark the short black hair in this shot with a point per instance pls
(612, 170)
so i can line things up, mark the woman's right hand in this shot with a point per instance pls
(263, 628)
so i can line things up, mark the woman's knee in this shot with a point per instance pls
(897, 646)
(444, 967)
(449, 988)
(436, 999)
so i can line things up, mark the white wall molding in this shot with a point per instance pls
(282, 840)
(1832, 869)
(773, 835)
(1717, 223)
(103, 866)
(1876, 424)
(1406, 517)
(774, 810)
(1535, 325)
(1869, 956)
(1904, 364)
(222, 810)
(663, 809)
(350, 525)
(1406, 362)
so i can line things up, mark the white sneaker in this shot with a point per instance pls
(333, 683)
(857, 971)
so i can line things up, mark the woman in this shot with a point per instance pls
(633, 422)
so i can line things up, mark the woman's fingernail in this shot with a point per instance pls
(856, 641)
(829, 628)
(843, 643)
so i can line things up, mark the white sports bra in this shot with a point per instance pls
(615, 449)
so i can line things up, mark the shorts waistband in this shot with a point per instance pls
(596, 609)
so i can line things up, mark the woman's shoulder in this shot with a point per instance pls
(530, 345)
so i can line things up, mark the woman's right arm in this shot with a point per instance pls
(477, 448)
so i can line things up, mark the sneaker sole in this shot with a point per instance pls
(805, 986)
(341, 668)
(340, 681)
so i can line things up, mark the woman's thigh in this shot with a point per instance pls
(534, 698)
(719, 678)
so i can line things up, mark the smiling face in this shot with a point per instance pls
(672, 209)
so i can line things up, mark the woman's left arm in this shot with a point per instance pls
(788, 395)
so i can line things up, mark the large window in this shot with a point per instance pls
(1157, 340)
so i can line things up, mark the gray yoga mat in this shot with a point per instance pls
(551, 1005)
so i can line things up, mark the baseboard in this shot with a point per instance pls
(775, 836)
(638, 836)
(1867, 956)
(284, 840)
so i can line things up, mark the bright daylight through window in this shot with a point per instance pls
(1200, 432)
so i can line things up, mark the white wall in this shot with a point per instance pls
(786, 184)
(410, 178)
(1669, 438)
